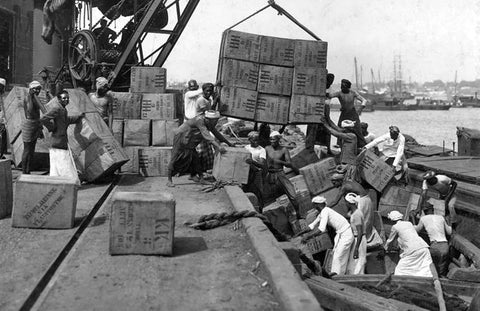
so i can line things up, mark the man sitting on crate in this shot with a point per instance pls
(277, 158)
(187, 137)
(57, 121)
(343, 233)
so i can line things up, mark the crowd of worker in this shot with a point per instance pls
(193, 152)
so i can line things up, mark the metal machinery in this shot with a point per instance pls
(88, 58)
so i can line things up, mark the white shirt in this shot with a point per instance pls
(408, 238)
(257, 153)
(369, 138)
(190, 99)
(435, 226)
(391, 148)
(329, 217)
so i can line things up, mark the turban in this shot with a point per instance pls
(351, 198)
(337, 176)
(34, 84)
(428, 175)
(192, 85)
(101, 81)
(275, 134)
(395, 215)
(3, 82)
(347, 123)
(212, 114)
(253, 134)
(319, 199)
(346, 83)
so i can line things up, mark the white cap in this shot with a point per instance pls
(101, 81)
(34, 84)
(348, 123)
(275, 134)
(395, 215)
(212, 114)
(351, 198)
(319, 199)
(3, 82)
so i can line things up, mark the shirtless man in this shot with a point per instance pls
(278, 157)
(446, 188)
(103, 100)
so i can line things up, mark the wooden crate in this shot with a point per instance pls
(163, 132)
(277, 216)
(272, 109)
(237, 102)
(132, 165)
(301, 156)
(275, 80)
(277, 51)
(153, 161)
(319, 243)
(136, 133)
(126, 105)
(79, 102)
(231, 166)
(6, 189)
(50, 203)
(310, 53)
(375, 171)
(117, 129)
(236, 73)
(306, 108)
(142, 223)
(148, 80)
(317, 175)
(241, 45)
(299, 183)
(309, 81)
(158, 106)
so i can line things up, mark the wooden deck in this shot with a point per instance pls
(462, 168)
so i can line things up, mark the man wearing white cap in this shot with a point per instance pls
(257, 167)
(187, 137)
(103, 100)
(3, 130)
(31, 126)
(358, 253)
(415, 257)
(277, 158)
(343, 233)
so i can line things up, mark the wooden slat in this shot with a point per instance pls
(467, 248)
(336, 296)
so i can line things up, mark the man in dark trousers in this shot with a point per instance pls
(31, 126)
(57, 121)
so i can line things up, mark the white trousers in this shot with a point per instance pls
(341, 251)
(62, 164)
(416, 263)
(357, 266)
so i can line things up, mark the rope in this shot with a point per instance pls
(250, 16)
(215, 220)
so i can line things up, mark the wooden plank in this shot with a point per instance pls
(6, 189)
(336, 296)
(464, 274)
(467, 248)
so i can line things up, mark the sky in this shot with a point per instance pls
(433, 38)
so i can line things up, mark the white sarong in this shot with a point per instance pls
(341, 251)
(62, 164)
(416, 263)
(357, 266)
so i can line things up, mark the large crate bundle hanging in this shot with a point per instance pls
(270, 79)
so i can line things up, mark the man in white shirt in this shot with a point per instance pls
(415, 258)
(257, 167)
(437, 230)
(393, 147)
(190, 99)
(343, 233)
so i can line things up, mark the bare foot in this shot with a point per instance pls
(170, 184)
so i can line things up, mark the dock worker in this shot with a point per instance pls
(369, 136)
(257, 167)
(415, 257)
(343, 233)
(57, 120)
(358, 253)
(392, 150)
(31, 126)
(103, 100)
(192, 132)
(278, 157)
(190, 98)
(3, 129)
(347, 99)
(349, 144)
(105, 35)
(437, 230)
(446, 187)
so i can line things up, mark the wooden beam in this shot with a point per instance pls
(336, 296)
(467, 248)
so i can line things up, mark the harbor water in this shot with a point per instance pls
(428, 127)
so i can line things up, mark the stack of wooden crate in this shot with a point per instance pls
(144, 121)
(274, 80)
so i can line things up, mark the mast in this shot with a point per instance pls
(361, 76)
(356, 72)
(455, 91)
(373, 81)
